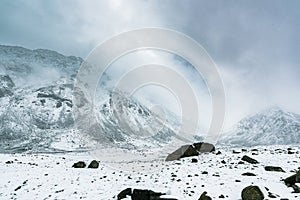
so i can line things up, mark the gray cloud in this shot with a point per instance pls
(256, 43)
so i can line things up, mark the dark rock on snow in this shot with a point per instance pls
(249, 160)
(138, 194)
(204, 196)
(248, 174)
(190, 150)
(252, 192)
(291, 180)
(79, 164)
(274, 169)
(124, 193)
(94, 164)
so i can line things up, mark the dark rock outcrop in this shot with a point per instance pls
(252, 192)
(249, 160)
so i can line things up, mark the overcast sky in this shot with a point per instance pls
(255, 43)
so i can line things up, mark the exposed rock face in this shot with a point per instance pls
(94, 164)
(6, 85)
(190, 150)
(79, 164)
(252, 192)
(274, 169)
(204, 196)
(249, 160)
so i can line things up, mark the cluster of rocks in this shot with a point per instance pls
(251, 192)
(80, 164)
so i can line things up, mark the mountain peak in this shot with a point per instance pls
(268, 127)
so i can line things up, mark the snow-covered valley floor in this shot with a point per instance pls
(51, 176)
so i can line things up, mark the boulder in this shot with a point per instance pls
(274, 169)
(94, 164)
(79, 164)
(182, 152)
(190, 150)
(252, 192)
(204, 147)
(124, 193)
(249, 160)
(204, 196)
(292, 180)
(298, 177)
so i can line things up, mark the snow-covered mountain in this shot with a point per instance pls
(36, 107)
(36, 67)
(36, 111)
(269, 127)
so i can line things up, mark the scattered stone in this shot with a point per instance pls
(249, 160)
(271, 195)
(19, 187)
(79, 164)
(252, 192)
(204, 196)
(223, 162)
(94, 164)
(274, 169)
(290, 152)
(235, 152)
(219, 153)
(9, 162)
(248, 174)
(221, 196)
(124, 193)
(194, 160)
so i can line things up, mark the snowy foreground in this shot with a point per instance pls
(51, 176)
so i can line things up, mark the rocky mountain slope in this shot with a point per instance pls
(269, 127)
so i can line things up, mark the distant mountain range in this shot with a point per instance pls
(36, 111)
